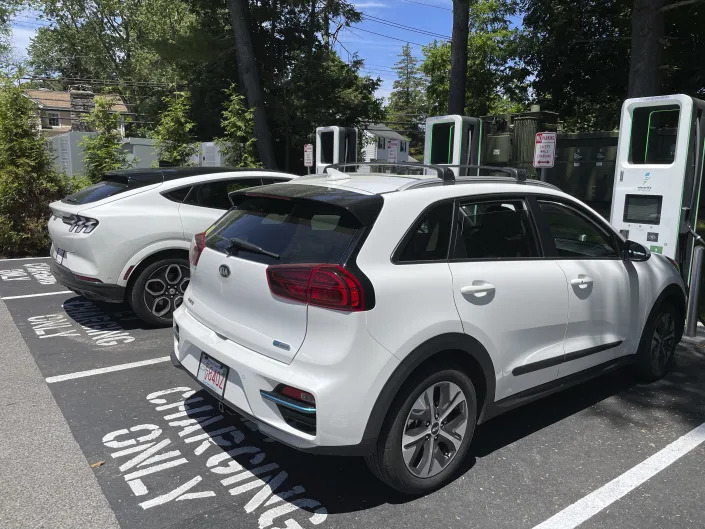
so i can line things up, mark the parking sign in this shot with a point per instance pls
(545, 150)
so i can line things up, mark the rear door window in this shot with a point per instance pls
(498, 229)
(215, 194)
(298, 231)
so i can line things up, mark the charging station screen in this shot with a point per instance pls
(643, 209)
(327, 147)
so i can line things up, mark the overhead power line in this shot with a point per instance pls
(428, 5)
(358, 28)
(405, 27)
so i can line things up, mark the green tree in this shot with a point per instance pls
(175, 142)
(103, 151)
(28, 182)
(497, 80)
(407, 104)
(238, 145)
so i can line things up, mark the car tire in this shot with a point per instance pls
(658, 342)
(411, 417)
(159, 289)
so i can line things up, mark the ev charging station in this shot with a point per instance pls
(335, 145)
(658, 175)
(454, 141)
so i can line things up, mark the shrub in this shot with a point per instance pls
(28, 182)
(103, 151)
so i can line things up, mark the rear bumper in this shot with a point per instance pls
(339, 421)
(95, 291)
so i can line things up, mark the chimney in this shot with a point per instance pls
(81, 100)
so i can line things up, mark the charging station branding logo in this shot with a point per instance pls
(643, 186)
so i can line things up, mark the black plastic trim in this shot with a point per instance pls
(95, 291)
(524, 397)
(549, 362)
(462, 343)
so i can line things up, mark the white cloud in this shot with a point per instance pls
(21, 38)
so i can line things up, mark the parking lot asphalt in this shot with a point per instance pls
(600, 455)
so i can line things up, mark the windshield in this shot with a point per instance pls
(296, 231)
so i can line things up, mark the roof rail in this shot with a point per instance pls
(519, 174)
(442, 171)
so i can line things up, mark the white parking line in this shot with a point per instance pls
(590, 505)
(100, 371)
(24, 258)
(37, 295)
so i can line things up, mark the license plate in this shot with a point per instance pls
(59, 255)
(212, 374)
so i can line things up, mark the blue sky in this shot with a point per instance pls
(373, 40)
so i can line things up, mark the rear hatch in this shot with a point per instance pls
(237, 303)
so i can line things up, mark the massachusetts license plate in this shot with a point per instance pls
(59, 255)
(212, 374)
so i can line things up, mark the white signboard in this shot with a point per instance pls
(392, 150)
(308, 155)
(545, 150)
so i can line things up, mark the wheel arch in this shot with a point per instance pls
(151, 258)
(674, 295)
(458, 348)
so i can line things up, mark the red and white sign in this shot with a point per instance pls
(392, 150)
(308, 155)
(545, 150)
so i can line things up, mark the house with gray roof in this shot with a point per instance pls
(379, 141)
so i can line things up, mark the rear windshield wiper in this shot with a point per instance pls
(239, 244)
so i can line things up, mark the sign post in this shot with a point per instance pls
(545, 152)
(308, 157)
(392, 150)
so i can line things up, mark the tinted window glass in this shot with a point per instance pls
(178, 195)
(575, 235)
(215, 194)
(430, 236)
(273, 180)
(96, 192)
(299, 231)
(494, 230)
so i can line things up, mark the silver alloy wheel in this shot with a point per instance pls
(663, 341)
(434, 429)
(164, 289)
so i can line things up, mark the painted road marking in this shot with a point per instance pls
(100, 371)
(24, 258)
(37, 295)
(590, 505)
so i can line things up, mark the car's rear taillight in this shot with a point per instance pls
(80, 224)
(322, 285)
(198, 243)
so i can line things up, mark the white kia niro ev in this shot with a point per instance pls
(386, 315)
(127, 237)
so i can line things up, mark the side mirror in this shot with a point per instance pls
(633, 251)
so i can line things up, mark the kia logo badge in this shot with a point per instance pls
(224, 270)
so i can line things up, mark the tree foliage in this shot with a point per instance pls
(175, 142)
(103, 151)
(148, 49)
(496, 80)
(238, 144)
(407, 102)
(28, 182)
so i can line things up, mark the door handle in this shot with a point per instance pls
(582, 281)
(479, 288)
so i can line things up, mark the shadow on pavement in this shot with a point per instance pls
(344, 484)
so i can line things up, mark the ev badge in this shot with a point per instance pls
(224, 270)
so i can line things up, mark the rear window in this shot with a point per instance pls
(96, 192)
(298, 231)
